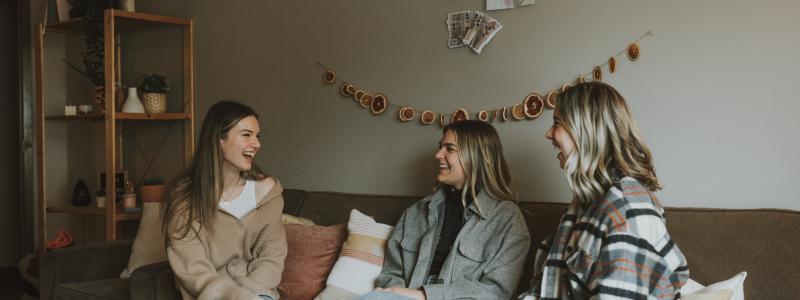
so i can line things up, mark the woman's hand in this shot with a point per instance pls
(413, 294)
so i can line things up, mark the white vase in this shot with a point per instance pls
(127, 5)
(132, 103)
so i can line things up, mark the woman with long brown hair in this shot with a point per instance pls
(612, 242)
(468, 240)
(222, 214)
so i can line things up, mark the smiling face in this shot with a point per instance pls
(241, 144)
(562, 141)
(450, 171)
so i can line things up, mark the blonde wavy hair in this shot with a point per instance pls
(608, 144)
(481, 157)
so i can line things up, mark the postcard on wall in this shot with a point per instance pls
(506, 4)
(471, 28)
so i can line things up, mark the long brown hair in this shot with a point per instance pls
(608, 143)
(192, 198)
(481, 156)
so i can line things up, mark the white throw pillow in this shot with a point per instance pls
(732, 289)
(360, 260)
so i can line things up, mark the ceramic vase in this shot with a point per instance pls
(127, 5)
(132, 103)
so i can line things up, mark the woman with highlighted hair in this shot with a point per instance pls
(612, 242)
(468, 240)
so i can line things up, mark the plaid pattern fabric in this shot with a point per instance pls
(617, 247)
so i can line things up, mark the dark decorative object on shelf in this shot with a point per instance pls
(80, 194)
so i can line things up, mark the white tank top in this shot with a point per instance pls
(244, 204)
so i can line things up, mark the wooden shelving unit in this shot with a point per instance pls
(115, 22)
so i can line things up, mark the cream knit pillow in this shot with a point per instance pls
(360, 260)
(148, 247)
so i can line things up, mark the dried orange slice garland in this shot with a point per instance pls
(551, 99)
(633, 51)
(531, 108)
(427, 117)
(518, 111)
(597, 73)
(612, 64)
(329, 77)
(379, 104)
(460, 114)
(365, 100)
(533, 105)
(483, 116)
(406, 113)
(347, 89)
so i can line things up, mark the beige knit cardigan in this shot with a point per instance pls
(241, 259)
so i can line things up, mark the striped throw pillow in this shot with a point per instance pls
(360, 260)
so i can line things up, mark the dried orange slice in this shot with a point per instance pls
(597, 73)
(633, 51)
(533, 105)
(518, 111)
(357, 95)
(379, 104)
(406, 114)
(427, 117)
(328, 77)
(551, 99)
(580, 79)
(460, 114)
(494, 115)
(505, 113)
(347, 89)
(365, 100)
(565, 86)
(612, 64)
(442, 120)
(483, 116)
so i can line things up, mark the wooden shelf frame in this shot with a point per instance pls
(115, 21)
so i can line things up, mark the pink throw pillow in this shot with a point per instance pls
(312, 252)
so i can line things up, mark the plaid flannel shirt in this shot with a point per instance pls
(617, 247)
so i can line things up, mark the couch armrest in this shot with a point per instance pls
(153, 281)
(82, 263)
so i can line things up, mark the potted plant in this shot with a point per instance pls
(152, 190)
(154, 86)
(94, 39)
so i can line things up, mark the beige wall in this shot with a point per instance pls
(712, 92)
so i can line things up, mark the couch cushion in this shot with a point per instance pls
(292, 200)
(721, 242)
(716, 243)
(154, 281)
(360, 260)
(328, 208)
(148, 247)
(98, 289)
(312, 252)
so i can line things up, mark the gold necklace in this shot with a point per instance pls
(229, 194)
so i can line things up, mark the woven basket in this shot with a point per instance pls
(154, 103)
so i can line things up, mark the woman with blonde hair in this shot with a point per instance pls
(222, 214)
(468, 240)
(612, 242)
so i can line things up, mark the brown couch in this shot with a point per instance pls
(718, 243)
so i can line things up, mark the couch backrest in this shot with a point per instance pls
(717, 243)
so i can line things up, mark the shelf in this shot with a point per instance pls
(92, 117)
(144, 116)
(93, 211)
(122, 116)
(123, 21)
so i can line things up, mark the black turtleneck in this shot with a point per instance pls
(453, 221)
